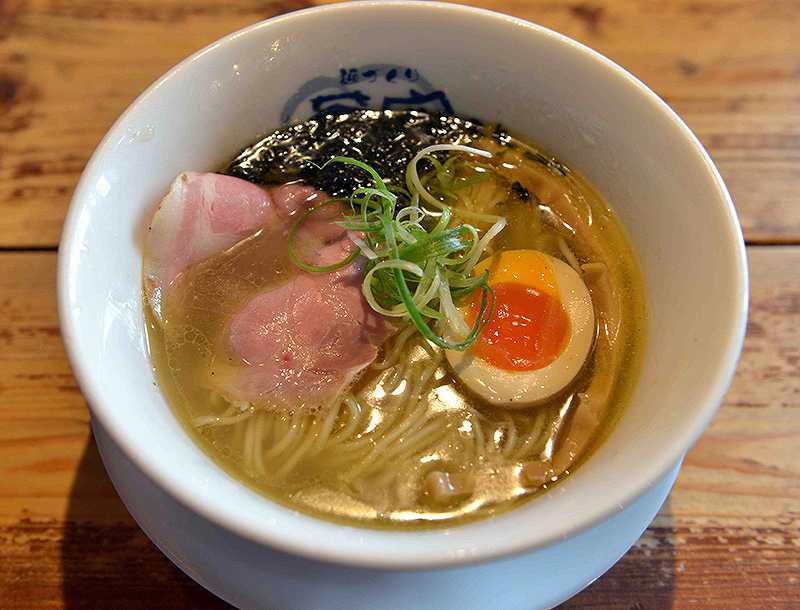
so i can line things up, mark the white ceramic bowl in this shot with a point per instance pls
(563, 96)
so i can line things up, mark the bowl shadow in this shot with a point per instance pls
(643, 579)
(107, 561)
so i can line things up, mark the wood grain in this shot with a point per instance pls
(67, 69)
(729, 536)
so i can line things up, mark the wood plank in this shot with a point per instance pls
(729, 536)
(731, 68)
(67, 71)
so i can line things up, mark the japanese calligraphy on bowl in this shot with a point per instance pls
(377, 86)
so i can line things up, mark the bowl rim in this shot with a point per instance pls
(648, 474)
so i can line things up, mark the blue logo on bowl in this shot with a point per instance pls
(376, 86)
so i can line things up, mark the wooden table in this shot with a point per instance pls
(728, 537)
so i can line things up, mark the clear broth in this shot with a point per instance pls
(414, 420)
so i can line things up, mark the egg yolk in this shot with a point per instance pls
(529, 328)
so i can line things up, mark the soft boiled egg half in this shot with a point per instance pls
(539, 336)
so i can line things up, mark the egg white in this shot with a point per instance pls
(519, 389)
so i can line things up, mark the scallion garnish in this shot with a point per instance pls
(419, 260)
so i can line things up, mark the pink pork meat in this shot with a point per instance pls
(298, 344)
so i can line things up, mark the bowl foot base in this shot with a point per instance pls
(252, 576)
